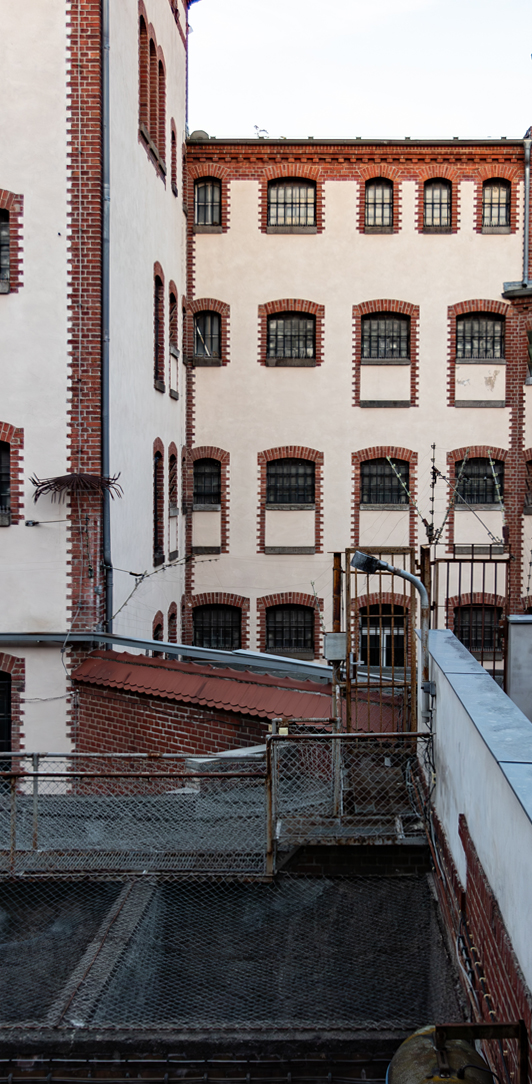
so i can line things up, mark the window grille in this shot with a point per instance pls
(207, 335)
(291, 336)
(480, 337)
(477, 484)
(207, 203)
(290, 628)
(207, 481)
(5, 477)
(477, 627)
(379, 204)
(172, 484)
(172, 321)
(385, 337)
(291, 204)
(380, 485)
(437, 205)
(158, 329)
(4, 246)
(158, 514)
(382, 635)
(290, 481)
(496, 203)
(218, 626)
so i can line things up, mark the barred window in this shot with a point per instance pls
(480, 337)
(4, 245)
(172, 626)
(379, 203)
(207, 481)
(158, 509)
(380, 485)
(386, 336)
(382, 634)
(218, 626)
(291, 336)
(290, 481)
(437, 205)
(291, 203)
(477, 484)
(290, 628)
(477, 627)
(496, 203)
(5, 482)
(172, 484)
(172, 321)
(207, 336)
(158, 329)
(207, 203)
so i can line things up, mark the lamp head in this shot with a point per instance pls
(363, 562)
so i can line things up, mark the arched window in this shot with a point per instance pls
(158, 508)
(207, 203)
(161, 110)
(5, 484)
(477, 628)
(218, 626)
(173, 160)
(172, 484)
(382, 635)
(437, 205)
(290, 630)
(496, 196)
(207, 482)
(479, 483)
(172, 318)
(207, 335)
(4, 251)
(291, 203)
(290, 481)
(172, 624)
(153, 87)
(386, 336)
(157, 634)
(379, 483)
(158, 332)
(480, 336)
(291, 336)
(143, 74)
(379, 204)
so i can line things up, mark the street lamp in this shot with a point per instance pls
(364, 562)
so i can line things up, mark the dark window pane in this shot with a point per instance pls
(158, 511)
(158, 327)
(385, 337)
(218, 626)
(380, 485)
(480, 337)
(437, 204)
(496, 203)
(207, 481)
(172, 481)
(4, 245)
(5, 480)
(476, 627)
(207, 203)
(382, 634)
(207, 335)
(477, 484)
(291, 204)
(379, 203)
(291, 336)
(290, 627)
(290, 481)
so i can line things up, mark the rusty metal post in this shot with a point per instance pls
(348, 630)
(523, 1053)
(424, 560)
(13, 824)
(35, 834)
(337, 593)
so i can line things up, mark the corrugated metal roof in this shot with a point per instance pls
(225, 690)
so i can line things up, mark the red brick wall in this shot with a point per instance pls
(15, 438)
(15, 205)
(12, 664)
(121, 722)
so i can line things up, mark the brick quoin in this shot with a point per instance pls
(291, 304)
(380, 452)
(294, 598)
(214, 598)
(403, 308)
(12, 664)
(291, 451)
(13, 203)
(15, 438)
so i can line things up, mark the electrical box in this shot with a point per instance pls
(334, 646)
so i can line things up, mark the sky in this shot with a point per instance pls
(369, 68)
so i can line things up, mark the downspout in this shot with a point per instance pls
(106, 197)
(526, 238)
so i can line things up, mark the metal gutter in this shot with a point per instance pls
(235, 660)
(105, 391)
(523, 288)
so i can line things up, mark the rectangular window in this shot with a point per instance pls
(5, 484)
(207, 203)
(158, 333)
(477, 484)
(386, 337)
(476, 627)
(207, 482)
(379, 205)
(480, 337)
(291, 336)
(437, 205)
(290, 628)
(207, 335)
(291, 204)
(218, 626)
(379, 483)
(290, 481)
(496, 204)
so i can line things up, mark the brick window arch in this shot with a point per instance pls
(11, 482)
(297, 452)
(428, 180)
(152, 94)
(401, 455)
(289, 613)
(480, 309)
(11, 208)
(172, 623)
(190, 457)
(158, 502)
(198, 327)
(206, 172)
(293, 175)
(393, 311)
(143, 73)
(282, 310)
(210, 600)
(12, 686)
(379, 175)
(457, 456)
(493, 174)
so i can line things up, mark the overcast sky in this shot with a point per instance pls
(370, 68)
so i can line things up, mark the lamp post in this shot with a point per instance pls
(364, 562)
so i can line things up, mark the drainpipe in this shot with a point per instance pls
(363, 562)
(106, 197)
(526, 241)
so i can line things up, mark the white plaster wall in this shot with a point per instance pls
(468, 527)
(206, 528)
(147, 225)
(290, 528)
(244, 407)
(481, 382)
(388, 527)
(385, 382)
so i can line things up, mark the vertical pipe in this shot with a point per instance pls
(105, 390)
(526, 230)
(337, 592)
(35, 835)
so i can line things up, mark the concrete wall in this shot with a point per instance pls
(519, 662)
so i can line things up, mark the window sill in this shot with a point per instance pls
(172, 511)
(5, 519)
(376, 403)
(385, 361)
(290, 507)
(378, 229)
(291, 229)
(159, 385)
(207, 229)
(384, 507)
(437, 229)
(480, 404)
(289, 549)
(4, 286)
(480, 361)
(159, 560)
(173, 394)
(173, 555)
(174, 189)
(197, 550)
(174, 350)
(206, 508)
(495, 507)
(291, 363)
(206, 363)
(496, 229)
(150, 145)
